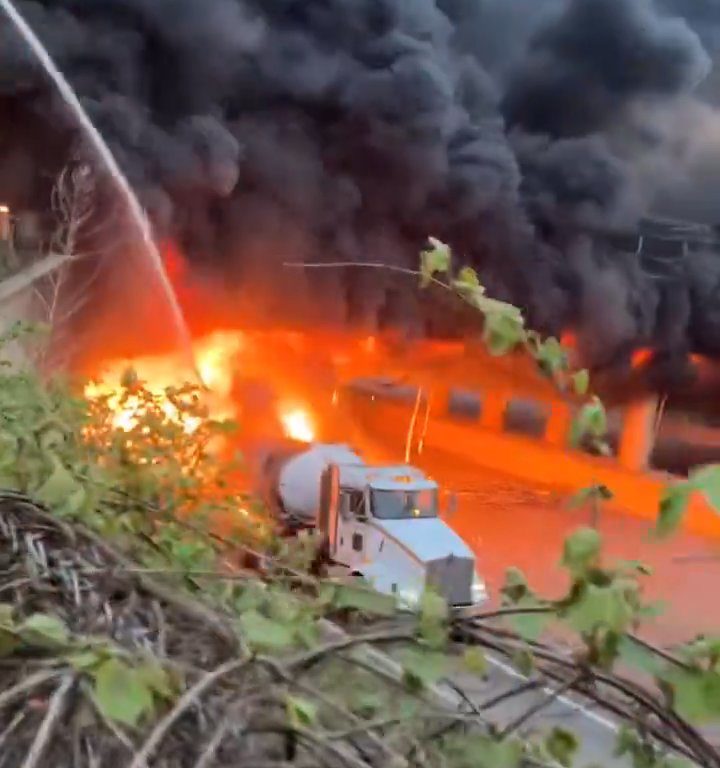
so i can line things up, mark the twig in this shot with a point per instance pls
(327, 745)
(208, 754)
(658, 651)
(182, 602)
(522, 719)
(12, 725)
(374, 725)
(502, 612)
(388, 636)
(161, 629)
(396, 759)
(54, 711)
(24, 686)
(530, 685)
(184, 703)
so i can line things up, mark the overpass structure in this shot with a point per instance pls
(419, 406)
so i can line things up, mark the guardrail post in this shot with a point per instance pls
(557, 428)
(637, 435)
(493, 405)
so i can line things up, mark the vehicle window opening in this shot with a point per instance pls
(401, 504)
(352, 504)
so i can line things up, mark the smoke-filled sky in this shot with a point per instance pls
(261, 131)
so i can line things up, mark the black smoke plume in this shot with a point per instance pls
(265, 131)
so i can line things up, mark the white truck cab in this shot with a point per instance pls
(382, 523)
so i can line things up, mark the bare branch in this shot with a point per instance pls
(54, 712)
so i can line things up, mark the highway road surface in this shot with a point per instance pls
(509, 523)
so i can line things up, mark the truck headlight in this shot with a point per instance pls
(478, 590)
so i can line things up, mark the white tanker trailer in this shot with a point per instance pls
(378, 522)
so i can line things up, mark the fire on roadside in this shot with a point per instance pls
(223, 359)
(215, 357)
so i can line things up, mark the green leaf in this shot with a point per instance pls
(515, 586)
(581, 382)
(283, 607)
(696, 694)
(44, 631)
(367, 703)
(58, 487)
(9, 643)
(263, 633)
(301, 713)
(600, 607)
(532, 624)
(562, 745)
(638, 657)
(433, 619)
(480, 751)
(422, 668)
(707, 481)
(591, 421)
(467, 280)
(84, 661)
(581, 550)
(524, 662)
(434, 260)
(365, 599)
(156, 678)
(501, 754)
(673, 505)
(121, 693)
(503, 330)
(475, 661)
(551, 357)
(7, 613)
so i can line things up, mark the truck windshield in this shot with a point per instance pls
(395, 505)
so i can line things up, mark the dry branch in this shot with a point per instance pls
(232, 710)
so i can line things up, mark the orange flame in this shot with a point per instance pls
(641, 357)
(297, 424)
(219, 357)
(215, 356)
(569, 339)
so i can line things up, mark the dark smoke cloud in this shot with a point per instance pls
(600, 55)
(261, 131)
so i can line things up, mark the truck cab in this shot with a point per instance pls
(388, 530)
(379, 522)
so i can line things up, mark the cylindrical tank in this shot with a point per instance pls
(298, 478)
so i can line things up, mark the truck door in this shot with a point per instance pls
(352, 531)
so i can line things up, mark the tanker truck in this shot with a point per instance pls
(380, 523)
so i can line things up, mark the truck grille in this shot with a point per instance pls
(452, 577)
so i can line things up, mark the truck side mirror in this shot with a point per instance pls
(451, 505)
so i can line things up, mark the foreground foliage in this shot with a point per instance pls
(129, 633)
